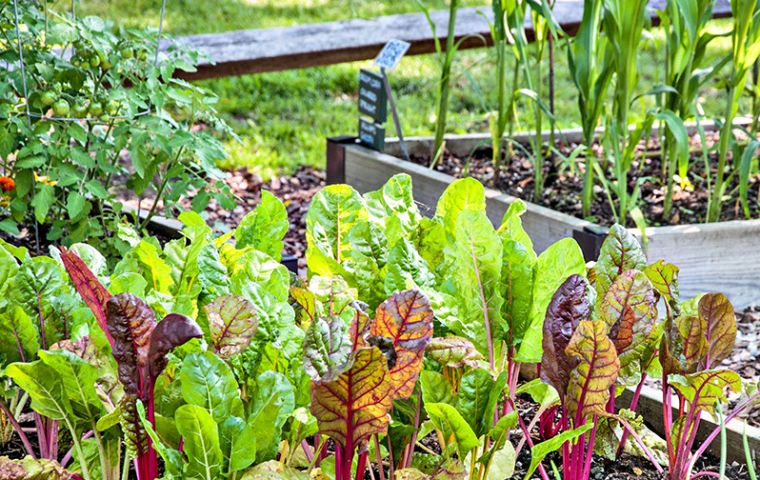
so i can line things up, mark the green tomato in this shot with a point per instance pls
(94, 61)
(61, 108)
(80, 108)
(127, 53)
(48, 98)
(96, 109)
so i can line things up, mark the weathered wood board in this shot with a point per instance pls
(712, 257)
(267, 50)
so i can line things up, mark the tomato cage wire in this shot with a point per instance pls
(30, 115)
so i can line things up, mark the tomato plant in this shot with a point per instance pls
(101, 120)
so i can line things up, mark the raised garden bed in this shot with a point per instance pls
(709, 255)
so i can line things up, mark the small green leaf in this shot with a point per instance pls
(541, 450)
(264, 227)
(201, 443)
(450, 423)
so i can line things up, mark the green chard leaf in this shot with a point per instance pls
(201, 443)
(265, 227)
(554, 266)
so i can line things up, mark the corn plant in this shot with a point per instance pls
(745, 40)
(591, 71)
(544, 25)
(444, 84)
(505, 106)
(687, 71)
(624, 23)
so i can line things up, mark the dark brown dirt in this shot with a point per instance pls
(564, 183)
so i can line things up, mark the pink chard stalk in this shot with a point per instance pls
(140, 345)
(694, 344)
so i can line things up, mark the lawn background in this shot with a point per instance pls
(282, 118)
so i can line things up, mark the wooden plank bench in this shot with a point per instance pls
(254, 51)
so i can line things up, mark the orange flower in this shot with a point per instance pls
(7, 184)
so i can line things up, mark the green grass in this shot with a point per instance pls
(283, 118)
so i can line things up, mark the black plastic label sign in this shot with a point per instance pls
(372, 135)
(373, 99)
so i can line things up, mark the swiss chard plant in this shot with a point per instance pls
(699, 335)
(601, 336)
(360, 365)
(583, 359)
(38, 310)
(140, 346)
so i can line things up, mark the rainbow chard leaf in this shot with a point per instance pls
(140, 347)
(453, 352)
(684, 344)
(664, 278)
(89, 288)
(568, 307)
(629, 310)
(720, 328)
(233, 323)
(355, 405)
(620, 252)
(407, 320)
(706, 388)
(597, 370)
(326, 348)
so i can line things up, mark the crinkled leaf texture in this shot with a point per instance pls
(453, 352)
(664, 278)
(475, 255)
(569, 306)
(700, 339)
(232, 322)
(620, 252)
(720, 328)
(589, 389)
(326, 348)
(629, 309)
(264, 227)
(140, 348)
(407, 320)
(355, 406)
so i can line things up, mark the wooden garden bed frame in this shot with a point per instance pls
(267, 50)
